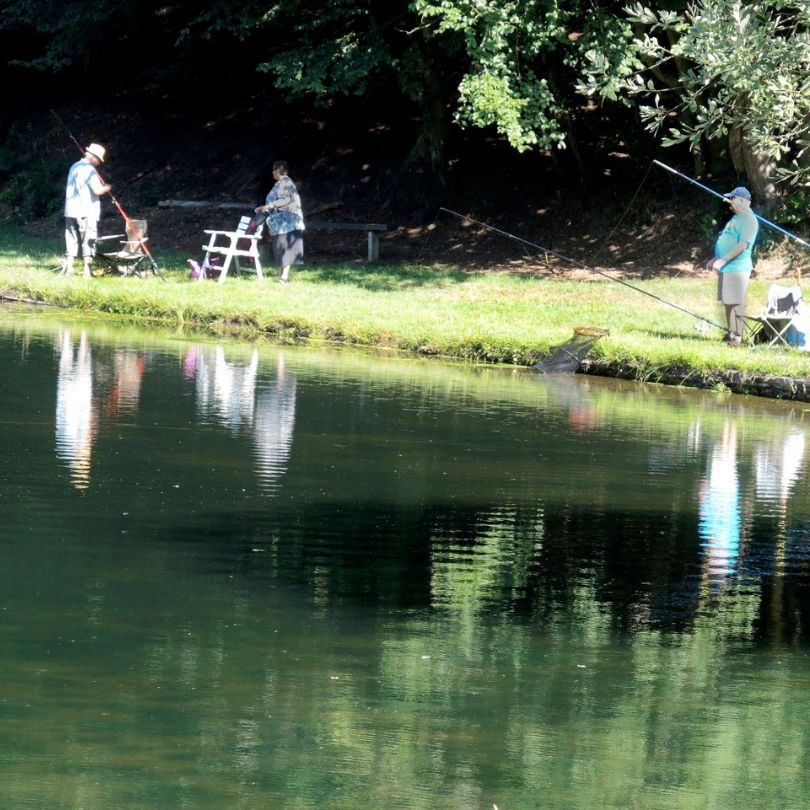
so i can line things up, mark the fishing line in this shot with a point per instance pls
(583, 266)
(504, 233)
(621, 218)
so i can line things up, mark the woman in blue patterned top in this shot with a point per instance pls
(285, 220)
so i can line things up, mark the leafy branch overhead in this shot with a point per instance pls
(502, 64)
(710, 72)
(716, 69)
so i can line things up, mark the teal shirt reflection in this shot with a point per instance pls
(720, 519)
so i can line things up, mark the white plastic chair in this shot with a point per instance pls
(242, 243)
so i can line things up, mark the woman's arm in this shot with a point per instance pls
(281, 196)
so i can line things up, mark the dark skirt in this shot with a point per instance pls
(288, 248)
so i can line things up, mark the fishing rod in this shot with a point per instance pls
(583, 266)
(722, 197)
(126, 217)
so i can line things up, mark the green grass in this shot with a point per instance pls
(494, 317)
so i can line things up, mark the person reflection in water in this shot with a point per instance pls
(275, 420)
(777, 467)
(226, 389)
(75, 420)
(126, 392)
(720, 519)
(230, 392)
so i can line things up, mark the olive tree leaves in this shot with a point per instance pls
(716, 67)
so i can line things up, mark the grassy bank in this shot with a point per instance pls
(490, 317)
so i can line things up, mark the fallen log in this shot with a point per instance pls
(17, 299)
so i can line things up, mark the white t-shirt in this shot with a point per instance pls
(81, 199)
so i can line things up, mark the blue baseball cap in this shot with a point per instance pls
(740, 191)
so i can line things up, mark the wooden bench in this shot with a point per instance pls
(373, 229)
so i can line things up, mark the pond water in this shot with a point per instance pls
(259, 577)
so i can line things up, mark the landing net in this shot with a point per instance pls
(568, 358)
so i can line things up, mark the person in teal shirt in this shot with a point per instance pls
(732, 259)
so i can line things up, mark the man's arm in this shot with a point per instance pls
(97, 186)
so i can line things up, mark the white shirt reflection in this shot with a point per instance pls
(74, 408)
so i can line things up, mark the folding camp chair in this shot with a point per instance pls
(236, 245)
(772, 325)
(132, 259)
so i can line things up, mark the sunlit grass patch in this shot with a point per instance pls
(451, 313)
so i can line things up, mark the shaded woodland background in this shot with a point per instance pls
(192, 118)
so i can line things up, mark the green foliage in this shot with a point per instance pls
(511, 48)
(718, 66)
(341, 48)
(611, 62)
(506, 65)
(70, 32)
(344, 65)
(515, 66)
(229, 18)
(526, 116)
(30, 178)
(795, 209)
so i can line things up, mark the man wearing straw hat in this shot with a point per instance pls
(732, 259)
(83, 208)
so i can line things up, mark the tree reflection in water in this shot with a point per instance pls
(468, 587)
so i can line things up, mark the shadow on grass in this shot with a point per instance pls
(382, 278)
(714, 336)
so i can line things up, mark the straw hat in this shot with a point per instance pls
(96, 150)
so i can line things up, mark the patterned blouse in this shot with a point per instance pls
(285, 212)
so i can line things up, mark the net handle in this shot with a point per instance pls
(591, 331)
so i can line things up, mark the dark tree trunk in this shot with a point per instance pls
(429, 150)
(421, 183)
(757, 169)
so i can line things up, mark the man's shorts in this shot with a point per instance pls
(80, 236)
(731, 287)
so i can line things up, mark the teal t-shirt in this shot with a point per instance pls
(740, 228)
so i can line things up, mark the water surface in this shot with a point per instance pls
(257, 576)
